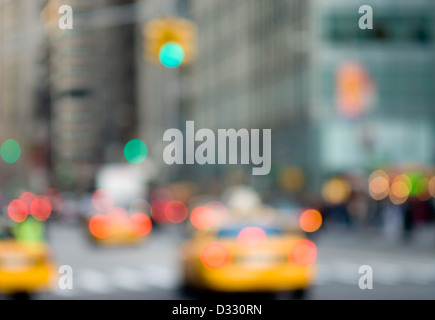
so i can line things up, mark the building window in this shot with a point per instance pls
(388, 28)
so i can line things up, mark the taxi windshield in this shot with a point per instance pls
(233, 232)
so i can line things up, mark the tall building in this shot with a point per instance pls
(21, 119)
(336, 97)
(398, 61)
(253, 72)
(92, 88)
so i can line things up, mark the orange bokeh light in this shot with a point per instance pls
(310, 220)
(354, 89)
(141, 224)
(215, 256)
(336, 191)
(400, 189)
(99, 226)
(379, 185)
(431, 186)
(202, 218)
(304, 252)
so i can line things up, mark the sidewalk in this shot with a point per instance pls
(421, 242)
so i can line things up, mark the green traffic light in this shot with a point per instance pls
(135, 151)
(171, 55)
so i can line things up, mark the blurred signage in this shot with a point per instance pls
(354, 90)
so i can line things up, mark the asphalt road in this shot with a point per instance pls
(150, 270)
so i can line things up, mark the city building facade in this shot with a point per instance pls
(292, 66)
(21, 95)
(92, 87)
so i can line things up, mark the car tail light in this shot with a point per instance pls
(176, 212)
(203, 218)
(18, 211)
(141, 225)
(99, 226)
(40, 208)
(215, 256)
(304, 252)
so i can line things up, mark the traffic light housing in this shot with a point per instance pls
(170, 41)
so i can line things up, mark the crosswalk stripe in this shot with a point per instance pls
(160, 276)
(346, 272)
(387, 273)
(418, 273)
(93, 281)
(127, 279)
(150, 276)
(139, 280)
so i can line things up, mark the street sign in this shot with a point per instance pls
(354, 90)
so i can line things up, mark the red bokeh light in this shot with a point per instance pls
(176, 211)
(141, 224)
(99, 226)
(18, 210)
(202, 218)
(40, 208)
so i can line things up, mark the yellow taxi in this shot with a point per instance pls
(118, 228)
(249, 257)
(25, 265)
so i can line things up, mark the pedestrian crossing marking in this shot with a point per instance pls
(148, 277)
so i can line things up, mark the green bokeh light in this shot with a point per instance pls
(10, 151)
(135, 151)
(29, 230)
(419, 183)
(171, 55)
